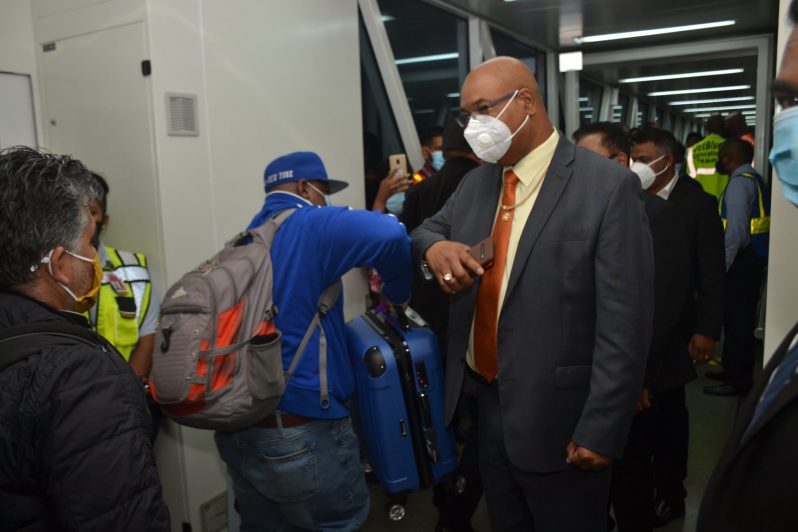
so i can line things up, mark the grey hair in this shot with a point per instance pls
(44, 200)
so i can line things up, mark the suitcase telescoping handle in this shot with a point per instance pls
(427, 428)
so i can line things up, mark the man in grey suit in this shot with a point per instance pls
(556, 332)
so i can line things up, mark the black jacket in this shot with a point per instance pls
(668, 363)
(75, 451)
(753, 486)
(708, 263)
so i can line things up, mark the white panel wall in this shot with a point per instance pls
(18, 47)
(782, 304)
(271, 77)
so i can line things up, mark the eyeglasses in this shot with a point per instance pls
(464, 117)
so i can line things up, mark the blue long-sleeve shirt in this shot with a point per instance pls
(740, 198)
(312, 250)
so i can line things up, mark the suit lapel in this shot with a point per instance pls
(488, 199)
(554, 184)
(678, 192)
(786, 397)
(479, 222)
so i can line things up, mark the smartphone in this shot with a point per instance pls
(397, 160)
(483, 252)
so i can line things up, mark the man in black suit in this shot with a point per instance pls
(555, 334)
(701, 320)
(633, 475)
(753, 486)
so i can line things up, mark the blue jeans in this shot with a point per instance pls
(302, 478)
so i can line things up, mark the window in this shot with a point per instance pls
(642, 114)
(430, 47)
(659, 117)
(534, 58)
(620, 111)
(380, 133)
(589, 101)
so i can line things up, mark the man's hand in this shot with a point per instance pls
(701, 348)
(644, 402)
(451, 265)
(586, 459)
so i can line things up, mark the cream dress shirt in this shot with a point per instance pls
(530, 171)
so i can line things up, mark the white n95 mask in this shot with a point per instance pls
(645, 173)
(489, 136)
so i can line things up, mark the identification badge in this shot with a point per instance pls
(119, 286)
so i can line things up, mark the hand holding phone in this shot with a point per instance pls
(397, 164)
(482, 252)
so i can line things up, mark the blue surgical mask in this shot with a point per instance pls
(784, 155)
(437, 160)
(395, 203)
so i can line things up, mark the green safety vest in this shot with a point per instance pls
(701, 159)
(123, 299)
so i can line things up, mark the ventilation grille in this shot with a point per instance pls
(182, 115)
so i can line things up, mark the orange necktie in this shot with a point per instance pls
(486, 319)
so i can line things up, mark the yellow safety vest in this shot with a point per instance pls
(701, 159)
(123, 299)
(760, 217)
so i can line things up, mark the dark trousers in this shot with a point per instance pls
(743, 283)
(564, 501)
(456, 509)
(632, 490)
(654, 463)
(671, 436)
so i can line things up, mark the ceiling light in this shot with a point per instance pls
(749, 112)
(453, 95)
(387, 18)
(695, 91)
(584, 109)
(583, 99)
(684, 75)
(725, 108)
(427, 58)
(647, 33)
(713, 100)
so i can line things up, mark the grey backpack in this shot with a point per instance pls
(217, 361)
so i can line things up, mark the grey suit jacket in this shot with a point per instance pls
(575, 326)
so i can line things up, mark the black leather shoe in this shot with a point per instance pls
(665, 512)
(724, 390)
(717, 375)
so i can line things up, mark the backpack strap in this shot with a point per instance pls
(326, 302)
(17, 343)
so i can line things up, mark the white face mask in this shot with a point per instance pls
(327, 201)
(489, 136)
(645, 173)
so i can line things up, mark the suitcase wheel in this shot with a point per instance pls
(396, 512)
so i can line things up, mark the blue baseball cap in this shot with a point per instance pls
(299, 165)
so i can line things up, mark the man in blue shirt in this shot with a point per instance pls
(745, 209)
(299, 468)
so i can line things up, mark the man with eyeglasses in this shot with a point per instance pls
(668, 366)
(554, 331)
(753, 486)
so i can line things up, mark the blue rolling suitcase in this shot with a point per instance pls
(399, 403)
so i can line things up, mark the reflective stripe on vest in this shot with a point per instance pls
(122, 328)
(760, 219)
